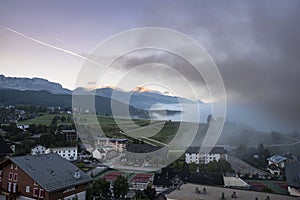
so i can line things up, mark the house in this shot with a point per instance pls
(205, 154)
(118, 144)
(47, 176)
(276, 164)
(292, 171)
(277, 160)
(69, 153)
(192, 155)
(112, 176)
(11, 144)
(70, 135)
(38, 149)
(99, 154)
(5, 149)
(141, 181)
(23, 126)
(145, 155)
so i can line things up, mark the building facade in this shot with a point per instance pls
(69, 153)
(204, 155)
(38, 149)
(118, 144)
(70, 135)
(48, 177)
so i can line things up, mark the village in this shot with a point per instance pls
(108, 169)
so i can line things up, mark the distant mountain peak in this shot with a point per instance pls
(33, 84)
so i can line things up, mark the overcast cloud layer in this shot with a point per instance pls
(255, 44)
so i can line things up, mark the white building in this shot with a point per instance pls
(118, 144)
(276, 164)
(69, 153)
(38, 150)
(204, 155)
(277, 160)
(99, 154)
(23, 126)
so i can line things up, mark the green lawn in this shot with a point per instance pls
(46, 119)
(158, 130)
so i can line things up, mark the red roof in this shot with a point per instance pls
(142, 178)
(112, 175)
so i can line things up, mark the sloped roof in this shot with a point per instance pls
(142, 148)
(112, 139)
(51, 171)
(4, 148)
(276, 159)
(193, 150)
(214, 150)
(292, 171)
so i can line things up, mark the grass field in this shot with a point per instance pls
(160, 131)
(46, 119)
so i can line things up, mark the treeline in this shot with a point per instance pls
(44, 98)
(255, 156)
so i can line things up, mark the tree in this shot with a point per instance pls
(47, 139)
(193, 167)
(63, 118)
(150, 192)
(101, 187)
(120, 187)
(178, 165)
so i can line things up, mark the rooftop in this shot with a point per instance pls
(56, 148)
(187, 191)
(69, 131)
(210, 150)
(51, 171)
(292, 171)
(276, 159)
(141, 178)
(111, 176)
(142, 148)
(112, 139)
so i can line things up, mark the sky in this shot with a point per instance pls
(254, 43)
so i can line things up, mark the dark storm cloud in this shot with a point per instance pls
(255, 44)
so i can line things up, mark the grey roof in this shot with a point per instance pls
(51, 171)
(142, 148)
(211, 150)
(276, 159)
(68, 131)
(292, 171)
(113, 139)
(193, 150)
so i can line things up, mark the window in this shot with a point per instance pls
(10, 176)
(9, 186)
(16, 167)
(15, 188)
(1, 174)
(42, 193)
(35, 192)
(27, 189)
(34, 183)
(15, 177)
(11, 166)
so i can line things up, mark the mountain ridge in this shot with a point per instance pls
(32, 84)
(140, 97)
